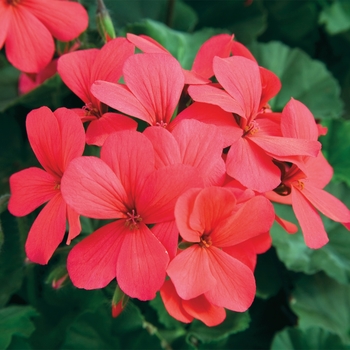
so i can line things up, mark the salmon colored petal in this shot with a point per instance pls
(212, 206)
(211, 114)
(251, 166)
(5, 20)
(91, 188)
(155, 201)
(168, 234)
(298, 122)
(45, 139)
(47, 231)
(72, 135)
(28, 37)
(218, 45)
(166, 148)
(141, 265)
(92, 263)
(191, 272)
(310, 221)
(194, 78)
(240, 77)
(131, 156)
(146, 43)
(65, 20)
(262, 243)
(326, 203)
(122, 99)
(319, 171)
(74, 224)
(201, 309)
(285, 146)
(244, 252)
(30, 188)
(183, 211)
(173, 303)
(75, 70)
(242, 225)
(271, 85)
(99, 129)
(157, 81)
(213, 95)
(235, 284)
(288, 226)
(238, 49)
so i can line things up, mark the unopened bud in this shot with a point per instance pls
(119, 302)
(57, 277)
(104, 22)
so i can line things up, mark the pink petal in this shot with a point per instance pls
(72, 135)
(131, 156)
(240, 77)
(142, 262)
(28, 37)
(66, 20)
(45, 139)
(173, 303)
(47, 231)
(5, 20)
(213, 95)
(157, 81)
(310, 221)
(319, 171)
(243, 225)
(75, 70)
(99, 129)
(271, 85)
(327, 204)
(30, 188)
(218, 45)
(120, 98)
(191, 272)
(235, 284)
(238, 49)
(288, 226)
(251, 166)
(146, 43)
(244, 252)
(92, 262)
(166, 148)
(91, 188)
(168, 234)
(74, 224)
(298, 122)
(156, 200)
(211, 114)
(201, 309)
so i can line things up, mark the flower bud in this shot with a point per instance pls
(104, 22)
(119, 302)
(57, 277)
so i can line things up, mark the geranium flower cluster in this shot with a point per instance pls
(188, 197)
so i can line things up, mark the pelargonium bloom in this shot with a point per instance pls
(124, 185)
(27, 28)
(210, 220)
(80, 69)
(56, 138)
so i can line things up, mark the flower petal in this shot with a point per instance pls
(92, 262)
(5, 20)
(74, 224)
(168, 234)
(30, 188)
(47, 231)
(141, 265)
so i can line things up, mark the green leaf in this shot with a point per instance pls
(336, 17)
(322, 302)
(15, 320)
(246, 21)
(308, 339)
(8, 85)
(183, 46)
(11, 257)
(234, 322)
(302, 78)
(333, 258)
(336, 147)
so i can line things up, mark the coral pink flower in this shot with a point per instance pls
(27, 28)
(210, 219)
(250, 159)
(80, 69)
(124, 185)
(154, 83)
(186, 310)
(56, 138)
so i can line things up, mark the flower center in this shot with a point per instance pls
(91, 110)
(133, 220)
(251, 129)
(162, 124)
(205, 241)
(13, 2)
(57, 186)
